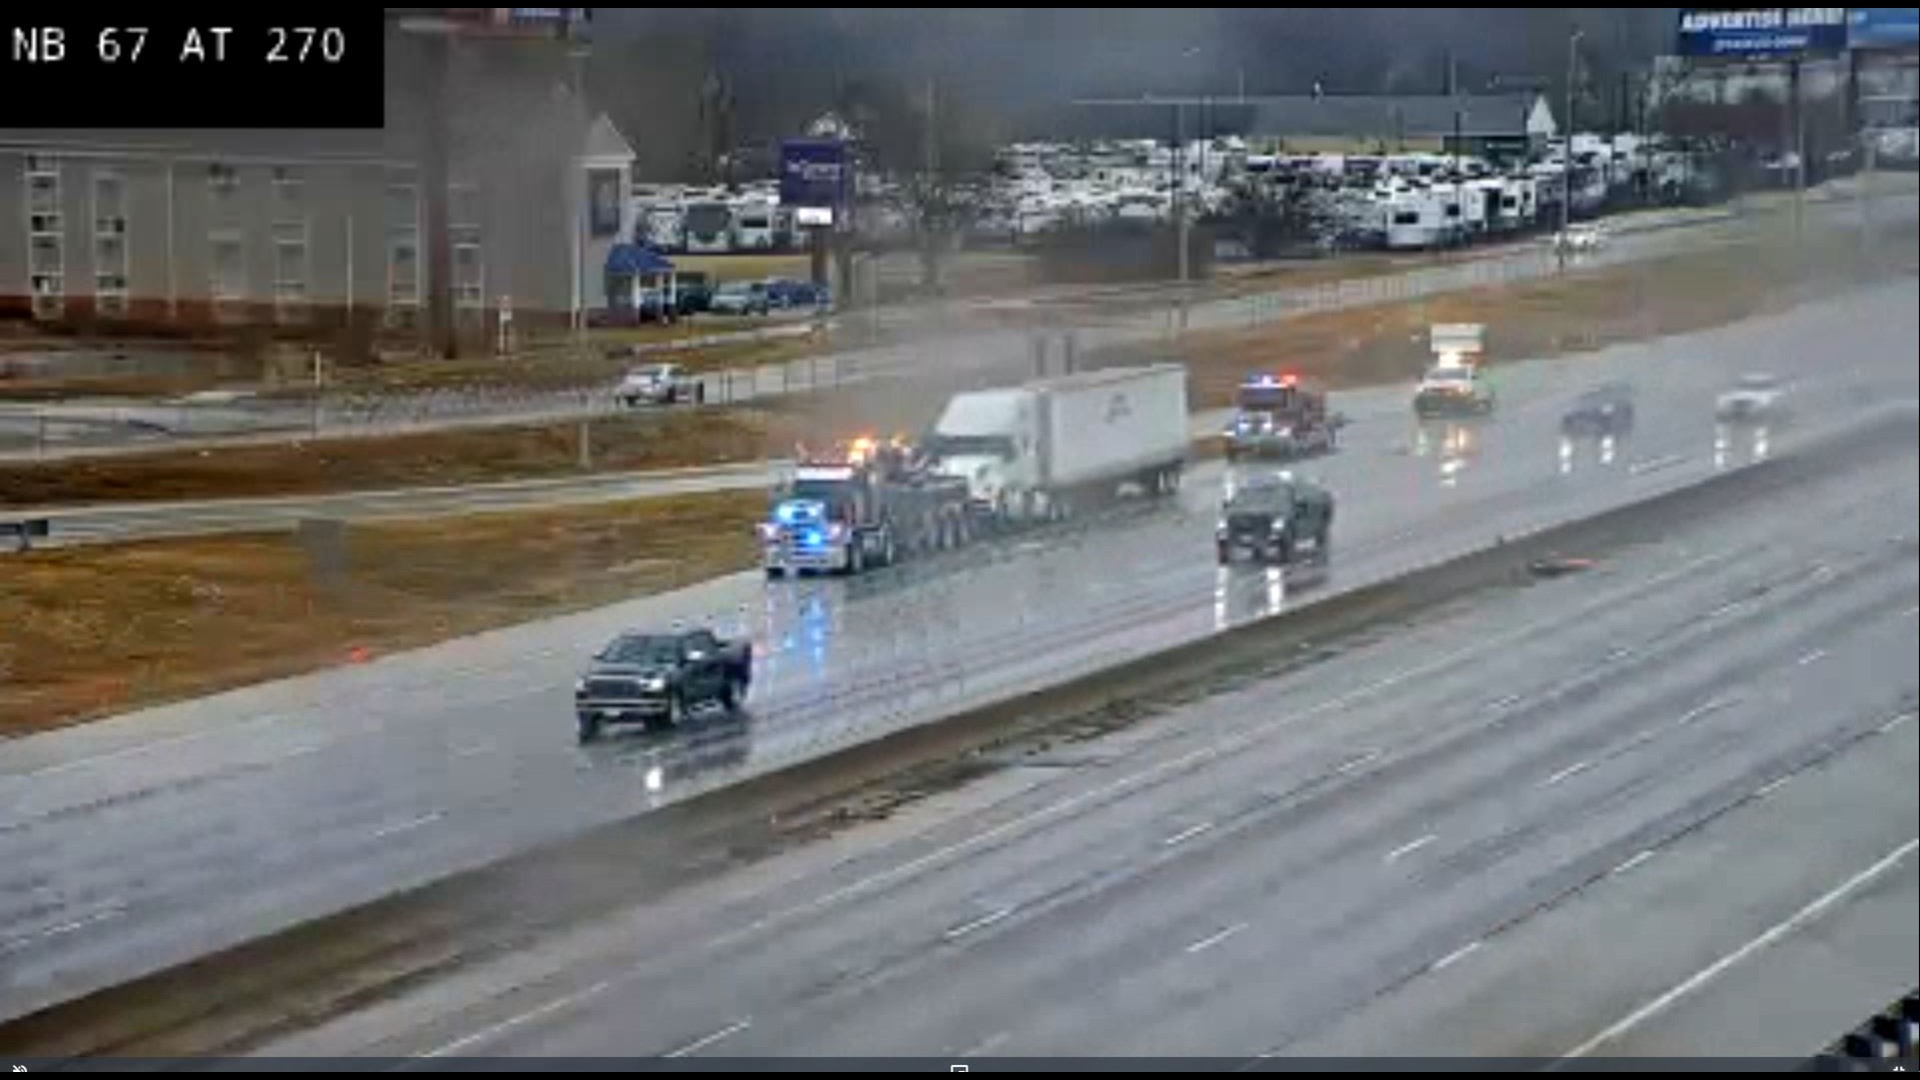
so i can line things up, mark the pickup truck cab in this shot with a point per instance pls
(1453, 388)
(660, 677)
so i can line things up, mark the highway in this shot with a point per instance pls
(1603, 815)
(127, 521)
(140, 841)
(983, 349)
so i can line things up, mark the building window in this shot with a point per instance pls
(469, 278)
(469, 269)
(290, 233)
(110, 244)
(227, 284)
(403, 254)
(289, 197)
(46, 239)
(290, 272)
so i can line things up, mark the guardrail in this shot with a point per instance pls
(1894, 1032)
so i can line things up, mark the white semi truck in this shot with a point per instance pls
(1050, 448)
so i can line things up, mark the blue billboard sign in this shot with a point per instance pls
(815, 173)
(1761, 33)
(1883, 28)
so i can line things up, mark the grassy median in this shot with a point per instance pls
(650, 440)
(97, 630)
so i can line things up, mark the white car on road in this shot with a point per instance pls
(1581, 238)
(659, 384)
(1757, 397)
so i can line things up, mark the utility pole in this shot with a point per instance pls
(1566, 149)
(1180, 187)
(1800, 148)
(441, 340)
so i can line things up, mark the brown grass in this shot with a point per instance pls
(98, 630)
(667, 439)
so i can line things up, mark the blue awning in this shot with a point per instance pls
(634, 259)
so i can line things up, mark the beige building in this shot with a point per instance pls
(310, 229)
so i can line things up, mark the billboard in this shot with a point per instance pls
(1761, 33)
(1883, 28)
(815, 173)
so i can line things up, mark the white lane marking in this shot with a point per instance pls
(1574, 769)
(1196, 756)
(698, 1045)
(1912, 611)
(1821, 572)
(141, 748)
(1714, 705)
(1209, 942)
(476, 748)
(1667, 461)
(1627, 866)
(980, 923)
(1456, 956)
(302, 751)
(111, 909)
(1812, 657)
(1895, 722)
(405, 826)
(1186, 834)
(986, 1044)
(1353, 763)
(1503, 704)
(1407, 849)
(517, 1020)
(1773, 934)
(1772, 786)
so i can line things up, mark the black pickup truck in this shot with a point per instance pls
(1277, 519)
(660, 677)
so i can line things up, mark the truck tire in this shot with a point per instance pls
(889, 554)
(856, 558)
(775, 573)
(1283, 551)
(676, 710)
(587, 727)
(730, 696)
(1224, 554)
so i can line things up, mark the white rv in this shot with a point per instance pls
(710, 227)
(1416, 219)
(754, 228)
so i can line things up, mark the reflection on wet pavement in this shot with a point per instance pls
(1739, 445)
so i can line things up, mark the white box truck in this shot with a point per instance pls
(1044, 450)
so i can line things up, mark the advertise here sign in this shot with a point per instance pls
(814, 173)
(1761, 33)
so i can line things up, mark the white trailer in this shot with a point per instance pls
(1046, 449)
(1416, 220)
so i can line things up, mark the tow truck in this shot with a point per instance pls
(863, 504)
(1277, 418)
